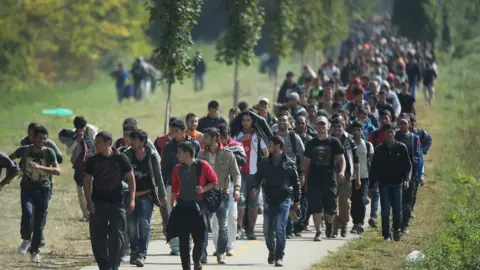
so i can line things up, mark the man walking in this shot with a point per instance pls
(278, 176)
(212, 119)
(391, 171)
(150, 190)
(223, 162)
(104, 174)
(28, 140)
(38, 163)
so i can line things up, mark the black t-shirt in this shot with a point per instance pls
(406, 101)
(108, 174)
(322, 154)
(141, 170)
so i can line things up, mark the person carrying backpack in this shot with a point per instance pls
(38, 163)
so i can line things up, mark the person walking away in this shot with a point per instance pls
(104, 174)
(11, 167)
(415, 153)
(170, 159)
(288, 86)
(199, 70)
(48, 142)
(212, 119)
(254, 147)
(324, 163)
(429, 78)
(120, 76)
(279, 178)
(149, 191)
(352, 174)
(391, 170)
(192, 124)
(80, 147)
(407, 100)
(223, 162)
(359, 197)
(241, 159)
(295, 150)
(414, 75)
(190, 180)
(38, 163)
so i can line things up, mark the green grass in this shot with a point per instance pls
(67, 239)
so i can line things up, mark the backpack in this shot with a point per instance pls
(369, 152)
(212, 198)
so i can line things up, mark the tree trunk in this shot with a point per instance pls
(168, 109)
(236, 85)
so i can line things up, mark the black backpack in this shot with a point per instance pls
(212, 198)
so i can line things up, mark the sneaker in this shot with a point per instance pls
(230, 253)
(387, 239)
(85, 218)
(335, 233)
(221, 259)
(251, 235)
(204, 259)
(140, 261)
(329, 230)
(197, 265)
(343, 232)
(412, 215)
(260, 210)
(289, 236)
(215, 253)
(279, 263)
(360, 229)
(396, 236)
(22, 249)
(240, 234)
(297, 234)
(318, 237)
(405, 230)
(175, 253)
(133, 256)
(354, 229)
(35, 257)
(372, 222)
(271, 258)
(307, 228)
(42, 244)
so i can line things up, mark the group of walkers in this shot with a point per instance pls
(335, 141)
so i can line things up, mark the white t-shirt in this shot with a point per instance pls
(254, 151)
(362, 157)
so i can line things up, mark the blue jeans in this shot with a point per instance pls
(139, 225)
(391, 197)
(34, 202)
(275, 218)
(412, 89)
(222, 225)
(374, 203)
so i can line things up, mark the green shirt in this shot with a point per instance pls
(46, 157)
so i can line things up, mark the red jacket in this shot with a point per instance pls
(207, 176)
(160, 143)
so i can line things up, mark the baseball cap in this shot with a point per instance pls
(293, 96)
(323, 119)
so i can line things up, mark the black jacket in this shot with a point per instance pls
(170, 158)
(208, 122)
(279, 183)
(282, 94)
(390, 165)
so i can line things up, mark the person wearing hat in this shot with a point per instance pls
(288, 86)
(415, 152)
(263, 110)
(293, 100)
(324, 164)
(356, 83)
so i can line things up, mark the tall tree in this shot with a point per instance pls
(245, 20)
(281, 24)
(417, 20)
(177, 18)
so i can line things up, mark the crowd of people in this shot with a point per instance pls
(335, 141)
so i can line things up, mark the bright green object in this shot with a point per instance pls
(58, 111)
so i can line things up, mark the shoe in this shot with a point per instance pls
(372, 222)
(289, 236)
(133, 257)
(230, 253)
(35, 257)
(412, 215)
(271, 258)
(405, 230)
(343, 232)
(387, 239)
(335, 233)
(329, 230)
(360, 229)
(204, 259)
(42, 244)
(251, 234)
(260, 210)
(396, 236)
(84, 219)
(307, 228)
(354, 229)
(221, 259)
(215, 253)
(318, 237)
(22, 249)
(197, 265)
(297, 234)
(140, 261)
(175, 253)
(279, 263)
(240, 234)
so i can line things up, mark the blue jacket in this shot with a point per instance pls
(415, 152)
(368, 128)
(425, 139)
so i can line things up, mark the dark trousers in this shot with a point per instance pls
(34, 201)
(192, 224)
(302, 222)
(107, 228)
(359, 202)
(391, 197)
(417, 184)
(407, 202)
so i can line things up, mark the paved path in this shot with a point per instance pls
(301, 253)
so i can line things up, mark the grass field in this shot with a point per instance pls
(371, 252)
(67, 242)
